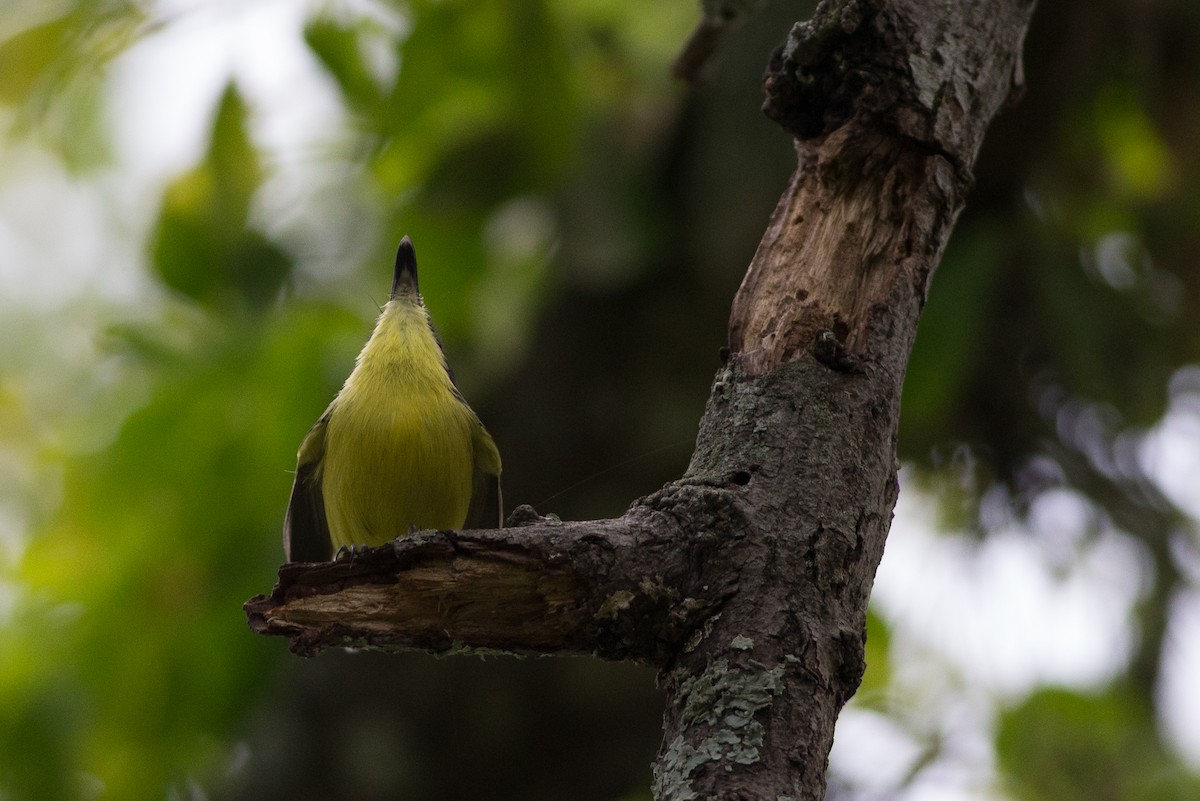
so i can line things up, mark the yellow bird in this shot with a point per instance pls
(399, 449)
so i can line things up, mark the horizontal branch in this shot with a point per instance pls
(539, 586)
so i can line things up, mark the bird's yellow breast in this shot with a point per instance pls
(399, 446)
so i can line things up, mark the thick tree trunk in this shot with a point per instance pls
(746, 582)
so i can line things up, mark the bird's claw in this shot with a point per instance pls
(348, 553)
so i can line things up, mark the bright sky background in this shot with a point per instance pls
(974, 624)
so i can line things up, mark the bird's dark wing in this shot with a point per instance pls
(305, 529)
(487, 503)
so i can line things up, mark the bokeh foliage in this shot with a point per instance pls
(582, 224)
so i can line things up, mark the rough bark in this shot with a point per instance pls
(745, 582)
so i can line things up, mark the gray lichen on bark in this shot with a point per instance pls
(725, 702)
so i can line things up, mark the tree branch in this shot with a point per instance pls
(538, 586)
(888, 103)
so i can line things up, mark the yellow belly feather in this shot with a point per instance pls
(400, 443)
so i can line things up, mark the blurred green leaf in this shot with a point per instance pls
(27, 57)
(139, 659)
(951, 349)
(201, 245)
(878, 674)
(53, 70)
(1137, 160)
(1062, 746)
(339, 48)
